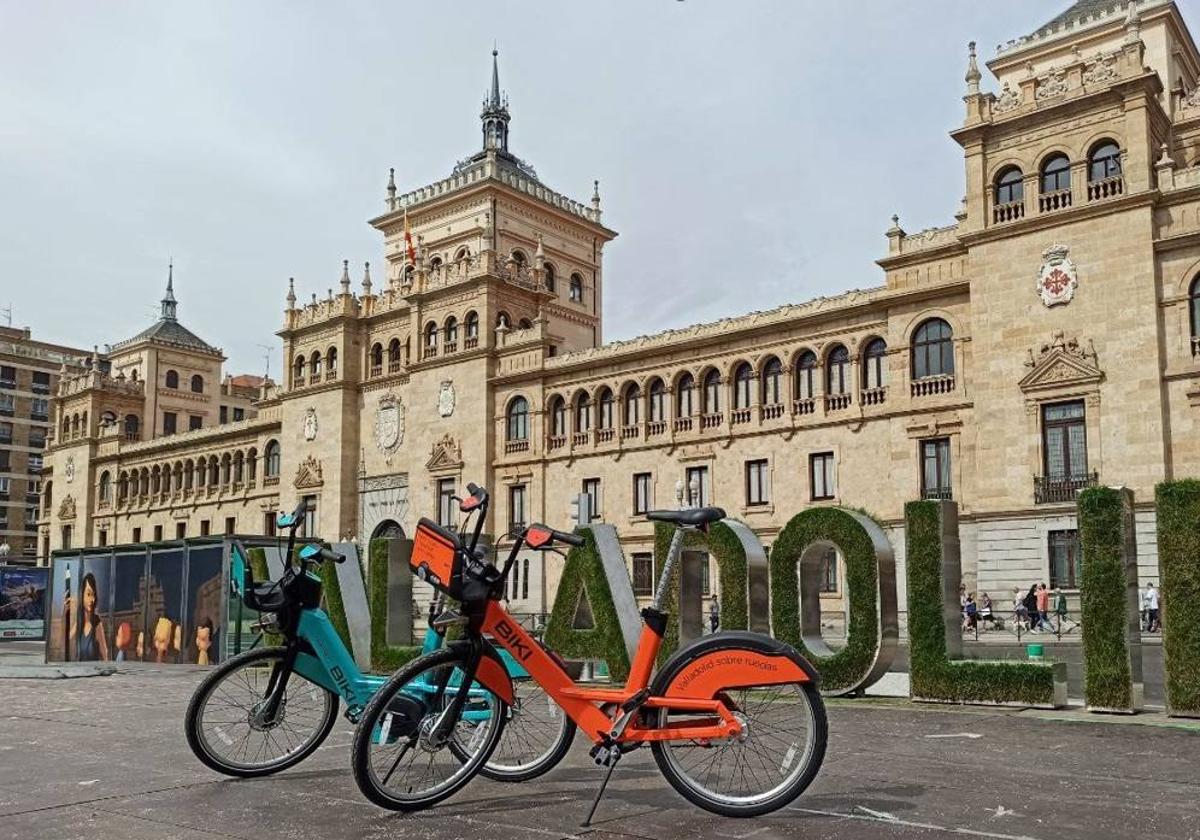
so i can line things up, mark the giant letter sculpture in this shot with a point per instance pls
(1178, 506)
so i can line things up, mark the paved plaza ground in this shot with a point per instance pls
(104, 758)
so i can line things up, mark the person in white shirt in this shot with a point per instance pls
(1151, 600)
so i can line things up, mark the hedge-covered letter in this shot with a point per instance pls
(1178, 504)
(934, 625)
(870, 587)
(1112, 643)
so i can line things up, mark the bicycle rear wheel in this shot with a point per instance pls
(398, 761)
(537, 735)
(224, 723)
(764, 768)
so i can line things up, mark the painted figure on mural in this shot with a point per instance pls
(204, 638)
(86, 628)
(124, 641)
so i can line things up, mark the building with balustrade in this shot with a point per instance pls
(1043, 342)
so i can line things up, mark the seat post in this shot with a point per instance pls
(668, 566)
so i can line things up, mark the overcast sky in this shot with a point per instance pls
(749, 153)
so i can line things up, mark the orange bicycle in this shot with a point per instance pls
(735, 720)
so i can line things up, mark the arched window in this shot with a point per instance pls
(1104, 161)
(875, 364)
(271, 459)
(685, 396)
(503, 319)
(933, 349)
(658, 401)
(108, 418)
(518, 256)
(549, 272)
(583, 413)
(131, 426)
(156, 479)
(298, 370)
(409, 273)
(239, 467)
(105, 487)
(376, 357)
(772, 382)
(451, 330)
(837, 371)
(607, 406)
(74, 425)
(431, 335)
(172, 379)
(393, 352)
(1194, 312)
(1056, 174)
(742, 379)
(472, 325)
(66, 428)
(226, 468)
(315, 363)
(806, 376)
(525, 324)
(1010, 186)
(462, 253)
(518, 419)
(712, 392)
(576, 288)
(632, 399)
(331, 360)
(435, 264)
(197, 384)
(558, 417)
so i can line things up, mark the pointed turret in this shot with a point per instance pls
(973, 75)
(291, 295)
(366, 281)
(168, 302)
(345, 281)
(391, 189)
(495, 113)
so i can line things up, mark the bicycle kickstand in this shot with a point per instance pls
(603, 755)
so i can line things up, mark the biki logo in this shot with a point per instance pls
(512, 641)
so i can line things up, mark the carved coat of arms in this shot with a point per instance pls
(1057, 279)
(389, 423)
(446, 399)
(310, 424)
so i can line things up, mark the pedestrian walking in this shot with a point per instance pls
(1043, 607)
(1020, 611)
(714, 614)
(986, 616)
(1152, 609)
(970, 614)
(1031, 608)
(1060, 608)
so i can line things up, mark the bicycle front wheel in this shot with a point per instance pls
(537, 735)
(226, 724)
(399, 760)
(776, 756)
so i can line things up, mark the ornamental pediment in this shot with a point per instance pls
(445, 456)
(308, 474)
(1060, 363)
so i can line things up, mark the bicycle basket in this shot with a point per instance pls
(437, 558)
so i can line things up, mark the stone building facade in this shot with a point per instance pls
(1044, 341)
(28, 376)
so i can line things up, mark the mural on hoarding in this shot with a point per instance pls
(205, 599)
(64, 576)
(23, 602)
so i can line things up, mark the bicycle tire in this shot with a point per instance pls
(503, 766)
(202, 747)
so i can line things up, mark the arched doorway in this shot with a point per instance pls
(388, 529)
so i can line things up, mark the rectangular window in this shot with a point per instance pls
(195, 422)
(643, 574)
(169, 422)
(641, 493)
(41, 382)
(102, 538)
(699, 494)
(224, 414)
(231, 524)
(180, 530)
(1066, 559)
(6, 432)
(5, 460)
(829, 571)
(1064, 440)
(269, 525)
(35, 464)
(757, 492)
(821, 476)
(591, 489)
(37, 437)
(4, 485)
(137, 535)
(8, 377)
(7, 405)
(205, 525)
(310, 516)
(158, 533)
(239, 414)
(446, 506)
(516, 507)
(66, 537)
(935, 469)
(39, 409)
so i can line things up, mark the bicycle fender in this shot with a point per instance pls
(492, 674)
(729, 660)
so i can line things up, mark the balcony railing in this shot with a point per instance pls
(1008, 212)
(1050, 201)
(1106, 188)
(836, 402)
(450, 347)
(605, 435)
(314, 379)
(739, 416)
(394, 366)
(470, 342)
(557, 442)
(683, 424)
(628, 432)
(930, 385)
(580, 438)
(1196, 346)
(516, 446)
(330, 375)
(804, 406)
(376, 370)
(1050, 489)
(710, 421)
(655, 428)
(874, 396)
(771, 412)
(429, 353)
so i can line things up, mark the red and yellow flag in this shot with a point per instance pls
(408, 241)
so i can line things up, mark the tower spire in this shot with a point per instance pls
(495, 100)
(168, 302)
(495, 112)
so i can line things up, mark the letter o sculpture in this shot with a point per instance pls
(870, 564)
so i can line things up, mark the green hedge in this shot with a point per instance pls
(730, 555)
(1178, 504)
(933, 675)
(583, 576)
(384, 657)
(1108, 675)
(844, 670)
(262, 573)
(331, 591)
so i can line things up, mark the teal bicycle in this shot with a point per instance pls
(269, 708)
